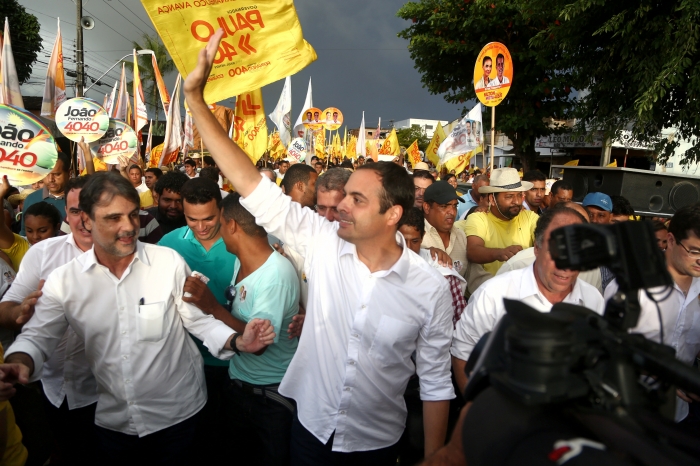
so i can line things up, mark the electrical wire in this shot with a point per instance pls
(106, 3)
(658, 309)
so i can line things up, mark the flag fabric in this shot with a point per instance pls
(149, 142)
(612, 164)
(282, 114)
(336, 149)
(351, 148)
(10, 93)
(431, 151)
(122, 102)
(360, 148)
(104, 101)
(371, 149)
(275, 147)
(140, 112)
(55, 86)
(465, 141)
(173, 131)
(109, 106)
(572, 163)
(413, 153)
(188, 134)
(162, 90)
(320, 144)
(250, 124)
(299, 130)
(391, 144)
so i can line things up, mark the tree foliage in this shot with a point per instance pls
(445, 38)
(406, 136)
(24, 35)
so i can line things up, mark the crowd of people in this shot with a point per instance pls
(313, 315)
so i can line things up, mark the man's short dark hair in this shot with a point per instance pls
(200, 191)
(65, 158)
(284, 161)
(211, 173)
(172, 181)
(299, 172)
(132, 166)
(548, 216)
(561, 185)
(156, 171)
(76, 183)
(398, 188)
(684, 221)
(621, 206)
(479, 178)
(208, 160)
(334, 179)
(534, 175)
(111, 183)
(347, 164)
(658, 225)
(414, 218)
(500, 55)
(425, 174)
(232, 209)
(448, 177)
(191, 163)
(44, 209)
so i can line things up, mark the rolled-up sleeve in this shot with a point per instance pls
(433, 350)
(476, 321)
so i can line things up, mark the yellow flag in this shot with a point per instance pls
(612, 164)
(320, 144)
(413, 153)
(371, 149)
(250, 124)
(431, 151)
(262, 42)
(571, 163)
(351, 148)
(391, 144)
(459, 164)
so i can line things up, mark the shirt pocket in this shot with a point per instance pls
(394, 340)
(152, 321)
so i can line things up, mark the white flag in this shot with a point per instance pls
(55, 85)
(122, 103)
(466, 137)
(109, 106)
(149, 142)
(173, 129)
(299, 130)
(282, 114)
(360, 148)
(9, 82)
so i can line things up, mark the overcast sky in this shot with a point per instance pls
(362, 65)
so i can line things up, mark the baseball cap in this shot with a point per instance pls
(599, 200)
(441, 192)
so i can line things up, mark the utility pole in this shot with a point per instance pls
(79, 63)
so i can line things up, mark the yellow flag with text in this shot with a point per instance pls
(262, 42)
(320, 144)
(413, 153)
(431, 151)
(391, 144)
(351, 148)
(250, 124)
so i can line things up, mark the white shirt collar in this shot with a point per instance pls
(90, 259)
(529, 287)
(400, 267)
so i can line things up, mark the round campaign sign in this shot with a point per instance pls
(493, 74)
(27, 150)
(312, 119)
(82, 118)
(119, 141)
(333, 118)
(297, 149)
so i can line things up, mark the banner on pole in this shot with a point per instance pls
(465, 141)
(493, 74)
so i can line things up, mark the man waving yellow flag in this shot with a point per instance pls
(250, 124)
(431, 151)
(391, 145)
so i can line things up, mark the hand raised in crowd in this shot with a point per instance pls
(10, 374)
(509, 252)
(441, 257)
(297, 324)
(258, 334)
(123, 163)
(4, 186)
(197, 79)
(28, 303)
(201, 295)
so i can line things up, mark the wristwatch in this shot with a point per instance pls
(233, 344)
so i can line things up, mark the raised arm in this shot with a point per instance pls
(231, 160)
(89, 163)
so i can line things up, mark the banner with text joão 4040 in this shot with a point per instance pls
(262, 41)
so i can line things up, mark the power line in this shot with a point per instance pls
(139, 17)
(144, 32)
(98, 19)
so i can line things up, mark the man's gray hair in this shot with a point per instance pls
(268, 170)
(333, 180)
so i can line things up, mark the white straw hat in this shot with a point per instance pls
(505, 180)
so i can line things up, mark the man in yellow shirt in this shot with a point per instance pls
(148, 198)
(497, 235)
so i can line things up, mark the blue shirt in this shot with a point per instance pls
(216, 264)
(464, 207)
(271, 292)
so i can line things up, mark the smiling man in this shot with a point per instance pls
(353, 363)
(540, 286)
(440, 210)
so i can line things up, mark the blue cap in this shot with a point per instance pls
(600, 200)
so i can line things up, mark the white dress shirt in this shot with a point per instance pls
(353, 362)
(66, 372)
(485, 307)
(149, 372)
(680, 314)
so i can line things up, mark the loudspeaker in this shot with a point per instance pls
(87, 22)
(650, 193)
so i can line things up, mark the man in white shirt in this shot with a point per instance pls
(372, 303)
(540, 286)
(680, 305)
(70, 392)
(500, 68)
(123, 299)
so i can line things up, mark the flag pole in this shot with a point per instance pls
(493, 135)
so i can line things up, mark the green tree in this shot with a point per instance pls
(638, 60)
(146, 71)
(406, 136)
(24, 34)
(445, 38)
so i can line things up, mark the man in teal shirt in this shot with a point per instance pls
(263, 283)
(202, 247)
